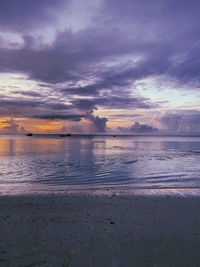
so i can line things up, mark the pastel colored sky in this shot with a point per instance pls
(115, 66)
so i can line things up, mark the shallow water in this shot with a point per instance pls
(52, 163)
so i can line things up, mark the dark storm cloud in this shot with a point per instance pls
(58, 106)
(72, 117)
(149, 11)
(21, 15)
(71, 57)
(116, 79)
(32, 103)
(124, 115)
(169, 28)
(164, 36)
(26, 93)
(47, 111)
(65, 60)
(113, 102)
(26, 108)
(138, 128)
(18, 103)
(89, 90)
(99, 124)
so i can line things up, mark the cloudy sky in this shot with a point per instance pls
(115, 66)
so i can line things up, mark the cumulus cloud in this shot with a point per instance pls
(185, 121)
(63, 129)
(13, 127)
(99, 123)
(138, 128)
(22, 130)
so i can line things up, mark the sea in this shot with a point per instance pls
(98, 163)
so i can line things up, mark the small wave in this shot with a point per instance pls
(130, 162)
(165, 181)
(195, 152)
(165, 176)
(120, 147)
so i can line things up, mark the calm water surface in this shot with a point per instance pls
(46, 163)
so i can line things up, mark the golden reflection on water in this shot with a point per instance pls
(19, 146)
(97, 145)
(6, 147)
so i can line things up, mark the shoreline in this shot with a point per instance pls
(99, 230)
(99, 191)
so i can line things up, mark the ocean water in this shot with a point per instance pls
(50, 163)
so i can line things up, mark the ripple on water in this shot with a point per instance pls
(130, 161)
(119, 162)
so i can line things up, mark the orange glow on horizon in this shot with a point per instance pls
(7, 125)
(118, 124)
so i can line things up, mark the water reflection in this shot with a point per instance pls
(133, 162)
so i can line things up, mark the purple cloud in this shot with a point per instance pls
(138, 128)
(13, 127)
(185, 121)
(24, 15)
(99, 123)
(80, 67)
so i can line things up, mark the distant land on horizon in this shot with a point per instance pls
(112, 135)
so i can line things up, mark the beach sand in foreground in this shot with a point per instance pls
(85, 230)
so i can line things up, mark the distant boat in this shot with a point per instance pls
(29, 134)
(64, 135)
(114, 135)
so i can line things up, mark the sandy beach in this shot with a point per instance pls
(87, 230)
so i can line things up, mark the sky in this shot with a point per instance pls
(95, 66)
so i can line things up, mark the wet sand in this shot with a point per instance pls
(86, 230)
